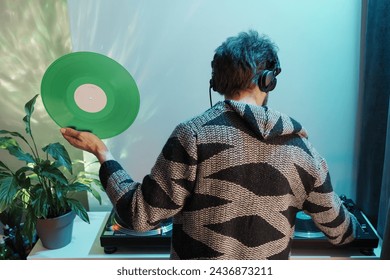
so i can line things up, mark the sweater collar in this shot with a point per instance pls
(266, 122)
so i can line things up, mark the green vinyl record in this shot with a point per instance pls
(90, 92)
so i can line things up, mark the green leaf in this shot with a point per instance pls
(3, 166)
(16, 134)
(59, 153)
(88, 178)
(79, 209)
(53, 174)
(96, 195)
(20, 154)
(78, 161)
(59, 192)
(29, 109)
(6, 142)
(89, 182)
(23, 169)
(98, 184)
(77, 187)
(24, 182)
(10, 144)
(8, 189)
(4, 174)
(84, 180)
(39, 203)
(29, 224)
(13, 216)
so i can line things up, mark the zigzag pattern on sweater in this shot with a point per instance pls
(233, 179)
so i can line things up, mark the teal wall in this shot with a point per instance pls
(167, 46)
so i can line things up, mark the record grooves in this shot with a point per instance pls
(90, 91)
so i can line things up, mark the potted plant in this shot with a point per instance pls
(12, 233)
(43, 188)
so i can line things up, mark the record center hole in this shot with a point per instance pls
(90, 98)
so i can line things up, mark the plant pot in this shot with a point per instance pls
(56, 233)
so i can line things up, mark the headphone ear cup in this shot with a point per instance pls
(272, 84)
(267, 81)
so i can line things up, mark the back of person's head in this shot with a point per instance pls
(239, 61)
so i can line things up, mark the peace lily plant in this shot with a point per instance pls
(44, 186)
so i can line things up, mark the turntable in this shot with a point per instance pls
(307, 236)
(116, 234)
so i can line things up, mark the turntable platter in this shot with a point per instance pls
(117, 234)
(119, 226)
(305, 227)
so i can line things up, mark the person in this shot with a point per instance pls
(233, 178)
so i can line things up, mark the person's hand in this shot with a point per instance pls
(88, 142)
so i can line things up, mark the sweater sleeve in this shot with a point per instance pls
(163, 192)
(326, 208)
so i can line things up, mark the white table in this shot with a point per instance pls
(85, 244)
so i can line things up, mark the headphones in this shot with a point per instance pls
(266, 82)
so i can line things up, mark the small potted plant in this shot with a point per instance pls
(43, 187)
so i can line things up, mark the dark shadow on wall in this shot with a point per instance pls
(374, 109)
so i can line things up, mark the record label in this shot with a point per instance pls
(90, 98)
(90, 91)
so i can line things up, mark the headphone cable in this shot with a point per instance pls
(211, 101)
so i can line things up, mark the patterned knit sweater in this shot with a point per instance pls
(233, 180)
